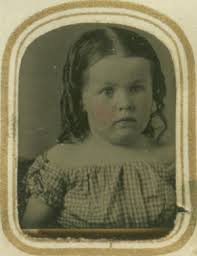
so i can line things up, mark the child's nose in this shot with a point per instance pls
(124, 101)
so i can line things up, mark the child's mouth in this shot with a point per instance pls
(125, 122)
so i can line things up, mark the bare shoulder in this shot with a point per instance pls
(64, 155)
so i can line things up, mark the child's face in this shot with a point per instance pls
(117, 96)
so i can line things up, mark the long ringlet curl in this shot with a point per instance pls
(90, 48)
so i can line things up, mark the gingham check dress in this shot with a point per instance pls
(133, 194)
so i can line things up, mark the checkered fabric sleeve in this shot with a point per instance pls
(45, 182)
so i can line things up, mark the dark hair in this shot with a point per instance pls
(90, 48)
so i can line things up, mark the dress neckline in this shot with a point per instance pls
(107, 165)
(64, 156)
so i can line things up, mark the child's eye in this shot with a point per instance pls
(136, 88)
(108, 91)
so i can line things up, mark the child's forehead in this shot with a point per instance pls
(116, 66)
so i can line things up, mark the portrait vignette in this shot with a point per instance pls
(191, 81)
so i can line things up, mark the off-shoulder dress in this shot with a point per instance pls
(132, 194)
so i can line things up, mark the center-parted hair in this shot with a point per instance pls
(91, 47)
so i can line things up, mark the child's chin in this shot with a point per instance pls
(126, 139)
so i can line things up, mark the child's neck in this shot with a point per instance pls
(140, 144)
(145, 149)
(97, 148)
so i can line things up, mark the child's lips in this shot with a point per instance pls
(125, 122)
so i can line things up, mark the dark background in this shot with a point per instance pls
(40, 85)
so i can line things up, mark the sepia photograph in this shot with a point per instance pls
(96, 130)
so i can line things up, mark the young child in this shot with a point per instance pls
(110, 168)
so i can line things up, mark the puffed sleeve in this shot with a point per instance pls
(46, 182)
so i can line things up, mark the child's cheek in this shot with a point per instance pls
(103, 113)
